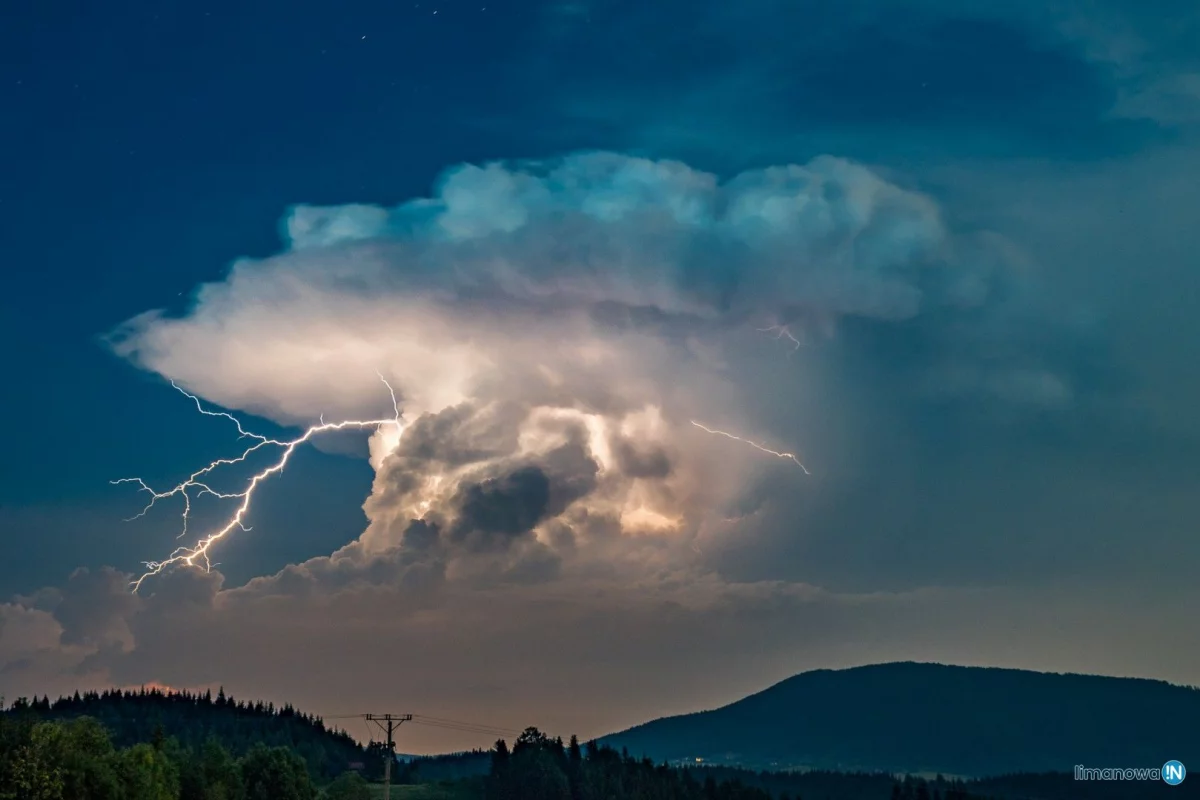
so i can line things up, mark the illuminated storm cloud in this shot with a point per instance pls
(558, 334)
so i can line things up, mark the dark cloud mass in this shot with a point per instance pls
(635, 463)
(507, 506)
(939, 253)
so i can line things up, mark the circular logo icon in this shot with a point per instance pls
(1173, 773)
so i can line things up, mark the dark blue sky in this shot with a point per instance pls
(145, 146)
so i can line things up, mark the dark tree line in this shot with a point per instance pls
(131, 717)
(181, 750)
(849, 785)
(541, 768)
(76, 760)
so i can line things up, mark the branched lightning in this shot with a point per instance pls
(755, 445)
(194, 486)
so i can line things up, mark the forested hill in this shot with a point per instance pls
(191, 718)
(910, 717)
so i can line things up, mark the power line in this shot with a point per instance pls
(460, 729)
(367, 728)
(428, 718)
(442, 722)
(465, 727)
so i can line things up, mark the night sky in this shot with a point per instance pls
(943, 252)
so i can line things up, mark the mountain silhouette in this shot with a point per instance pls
(929, 718)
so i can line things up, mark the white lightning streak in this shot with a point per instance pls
(755, 445)
(782, 331)
(193, 484)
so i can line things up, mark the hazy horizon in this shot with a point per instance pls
(435, 729)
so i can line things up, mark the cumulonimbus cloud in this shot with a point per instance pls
(552, 328)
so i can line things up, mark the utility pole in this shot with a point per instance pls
(388, 724)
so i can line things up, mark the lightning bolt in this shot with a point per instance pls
(782, 332)
(791, 456)
(195, 485)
